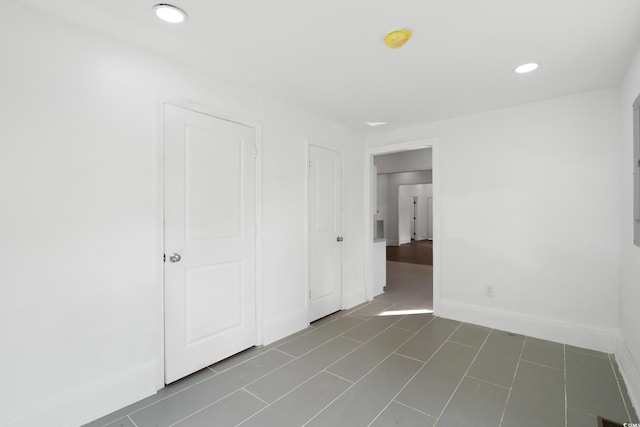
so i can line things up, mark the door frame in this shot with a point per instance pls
(308, 143)
(395, 147)
(203, 108)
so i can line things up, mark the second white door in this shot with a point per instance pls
(325, 228)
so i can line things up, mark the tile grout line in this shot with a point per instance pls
(459, 343)
(486, 382)
(337, 376)
(410, 407)
(254, 395)
(413, 358)
(416, 373)
(289, 354)
(504, 411)
(542, 365)
(244, 361)
(352, 339)
(463, 376)
(404, 329)
(368, 372)
(132, 422)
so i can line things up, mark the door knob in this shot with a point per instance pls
(175, 257)
(339, 239)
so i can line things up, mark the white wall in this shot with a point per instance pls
(406, 193)
(80, 224)
(548, 243)
(391, 215)
(629, 348)
(404, 161)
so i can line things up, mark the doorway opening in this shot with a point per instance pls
(402, 226)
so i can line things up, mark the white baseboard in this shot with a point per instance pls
(283, 326)
(630, 370)
(87, 403)
(601, 339)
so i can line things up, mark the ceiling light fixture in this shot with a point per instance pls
(169, 13)
(397, 39)
(372, 124)
(526, 68)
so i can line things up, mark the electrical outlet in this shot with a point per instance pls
(488, 291)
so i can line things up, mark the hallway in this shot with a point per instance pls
(410, 275)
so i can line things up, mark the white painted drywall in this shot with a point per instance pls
(518, 210)
(80, 240)
(391, 214)
(404, 161)
(382, 196)
(630, 254)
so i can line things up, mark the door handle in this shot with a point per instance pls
(339, 239)
(175, 257)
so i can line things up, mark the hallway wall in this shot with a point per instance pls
(393, 181)
(629, 345)
(522, 210)
(81, 223)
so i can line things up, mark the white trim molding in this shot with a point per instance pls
(427, 142)
(600, 339)
(87, 403)
(630, 369)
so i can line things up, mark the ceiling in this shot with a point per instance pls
(329, 58)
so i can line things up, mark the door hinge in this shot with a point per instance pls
(255, 151)
(309, 163)
(164, 257)
(309, 293)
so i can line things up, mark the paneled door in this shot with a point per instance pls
(325, 228)
(209, 240)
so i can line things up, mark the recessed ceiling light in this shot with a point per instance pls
(372, 124)
(169, 13)
(526, 68)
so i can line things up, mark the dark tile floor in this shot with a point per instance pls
(372, 366)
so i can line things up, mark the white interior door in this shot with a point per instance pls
(209, 201)
(325, 228)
